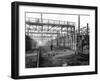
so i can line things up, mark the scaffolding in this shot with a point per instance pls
(55, 33)
(47, 28)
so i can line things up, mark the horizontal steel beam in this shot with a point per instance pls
(41, 24)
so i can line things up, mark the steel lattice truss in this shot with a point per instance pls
(59, 32)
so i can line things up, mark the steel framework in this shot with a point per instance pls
(60, 29)
(55, 33)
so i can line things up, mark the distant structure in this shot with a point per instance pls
(55, 33)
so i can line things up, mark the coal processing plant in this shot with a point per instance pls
(56, 41)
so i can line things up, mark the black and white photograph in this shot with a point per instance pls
(51, 40)
(56, 40)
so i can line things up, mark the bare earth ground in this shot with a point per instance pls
(55, 58)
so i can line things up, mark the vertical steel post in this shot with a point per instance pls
(59, 33)
(78, 39)
(87, 28)
(71, 38)
(79, 24)
(67, 35)
(74, 39)
(64, 38)
(61, 37)
(39, 53)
